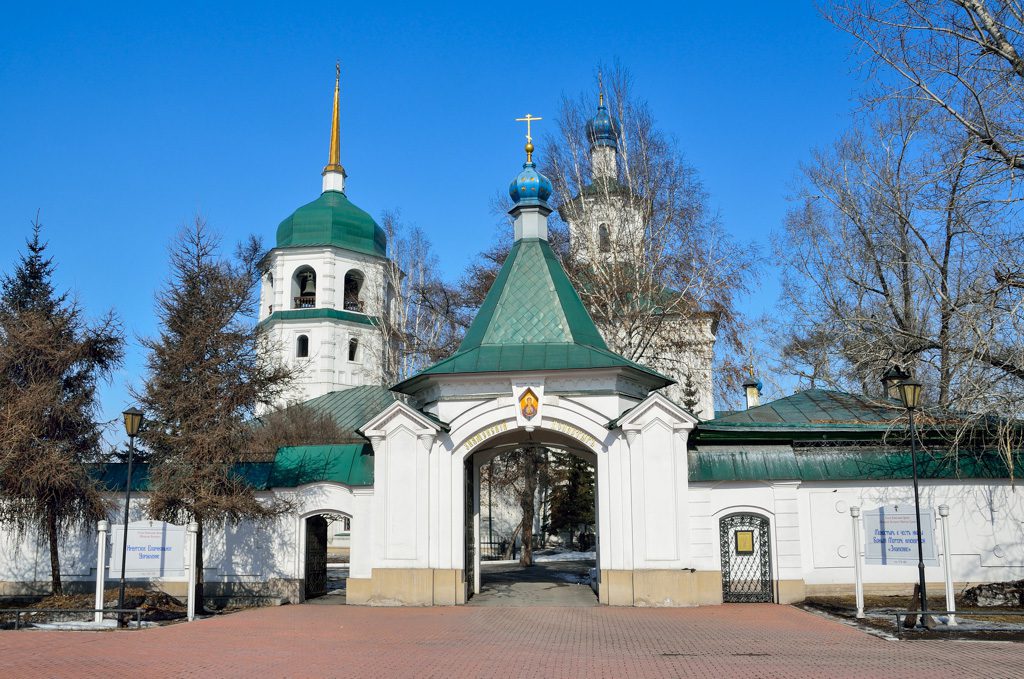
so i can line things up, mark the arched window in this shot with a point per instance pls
(304, 288)
(604, 241)
(353, 349)
(353, 291)
(302, 346)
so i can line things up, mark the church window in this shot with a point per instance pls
(302, 346)
(304, 288)
(353, 291)
(604, 241)
(353, 349)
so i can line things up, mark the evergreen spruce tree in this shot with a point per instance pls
(572, 494)
(208, 372)
(51, 362)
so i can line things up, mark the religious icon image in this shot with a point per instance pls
(528, 404)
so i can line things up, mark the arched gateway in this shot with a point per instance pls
(532, 369)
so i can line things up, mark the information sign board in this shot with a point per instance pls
(155, 550)
(890, 536)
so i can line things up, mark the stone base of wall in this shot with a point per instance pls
(885, 589)
(241, 593)
(660, 588)
(791, 591)
(408, 587)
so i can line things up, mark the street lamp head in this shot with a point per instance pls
(132, 421)
(891, 379)
(910, 394)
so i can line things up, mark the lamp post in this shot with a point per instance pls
(132, 422)
(910, 394)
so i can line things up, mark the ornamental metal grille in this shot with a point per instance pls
(746, 577)
(316, 556)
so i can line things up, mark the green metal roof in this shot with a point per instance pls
(332, 219)
(307, 314)
(352, 408)
(814, 407)
(842, 465)
(350, 464)
(532, 319)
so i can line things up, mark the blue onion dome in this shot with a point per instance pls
(530, 187)
(603, 129)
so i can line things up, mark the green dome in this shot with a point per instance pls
(332, 219)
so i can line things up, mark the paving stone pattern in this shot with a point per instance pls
(757, 640)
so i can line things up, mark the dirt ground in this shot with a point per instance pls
(880, 616)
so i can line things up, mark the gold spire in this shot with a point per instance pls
(600, 88)
(529, 140)
(334, 162)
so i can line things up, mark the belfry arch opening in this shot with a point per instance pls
(353, 298)
(304, 288)
(549, 558)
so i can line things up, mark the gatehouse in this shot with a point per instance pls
(693, 507)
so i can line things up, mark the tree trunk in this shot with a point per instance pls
(51, 533)
(527, 502)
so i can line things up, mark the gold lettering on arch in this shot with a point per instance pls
(575, 432)
(572, 431)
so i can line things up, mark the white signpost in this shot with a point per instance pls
(103, 527)
(155, 550)
(890, 536)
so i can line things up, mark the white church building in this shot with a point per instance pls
(752, 505)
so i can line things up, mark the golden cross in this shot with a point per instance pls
(528, 119)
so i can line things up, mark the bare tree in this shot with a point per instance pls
(295, 425)
(51, 362)
(894, 254)
(656, 269)
(961, 57)
(208, 371)
(420, 322)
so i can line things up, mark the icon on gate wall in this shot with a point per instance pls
(744, 542)
(528, 404)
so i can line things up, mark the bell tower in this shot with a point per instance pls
(325, 286)
(603, 221)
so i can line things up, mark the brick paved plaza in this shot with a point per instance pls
(306, 641)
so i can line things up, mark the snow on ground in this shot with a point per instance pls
(565, 556)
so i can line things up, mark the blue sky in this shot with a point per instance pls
(119, 123)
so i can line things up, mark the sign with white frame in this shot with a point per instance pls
(155, 550)
(890, 536)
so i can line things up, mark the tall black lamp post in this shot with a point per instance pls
(910, 394)
(132, 422)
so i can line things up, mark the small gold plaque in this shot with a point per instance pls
(744, 542)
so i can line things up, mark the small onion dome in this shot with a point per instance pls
(530, 187)
(603, 129)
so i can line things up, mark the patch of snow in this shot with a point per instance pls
(85, 626)
(565, 556)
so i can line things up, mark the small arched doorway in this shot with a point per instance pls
(746, 559)
(316, 556)
(327, 554)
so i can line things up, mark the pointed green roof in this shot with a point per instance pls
(532, 319)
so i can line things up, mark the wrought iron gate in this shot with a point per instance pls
(316, 556)
(746, 559)
(469, 492)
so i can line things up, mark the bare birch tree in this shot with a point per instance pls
(961, 57)
(895, 254)
(419, 323)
